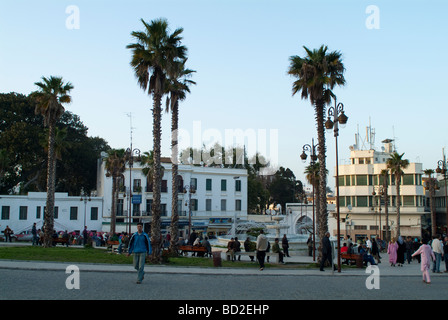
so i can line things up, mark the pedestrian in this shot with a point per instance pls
(276, 249)
(326, 251)
(139, 246)
(8, 232)
(416, 245)
(285, 245)
(445, 253)
(309, 242)
(207, 246)
(375, 250)
(392, 252)
(249, 247)
(85, 235)
(426, 254)
(400, 251)
(409, 249)
(438, 253)
(261, 246)
(236, 249)
(35, 237)
(230, 249)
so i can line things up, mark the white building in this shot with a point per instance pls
(20, 212)
(361, 207)
(219, 197)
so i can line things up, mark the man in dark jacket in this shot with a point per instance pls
(326, 251)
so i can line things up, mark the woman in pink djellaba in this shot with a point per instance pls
(426, 253)
(392, 252)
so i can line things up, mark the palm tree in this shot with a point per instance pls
(115, 167)
(431, 186)
(396, 164)
(49, 99)
(154, 56)
(384, 176)
(317, 74)
(178, 85)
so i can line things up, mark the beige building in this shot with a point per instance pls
(362, 209)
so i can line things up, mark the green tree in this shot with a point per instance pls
(317, 74)
(178, 85)
(284, 187)
(52, 94)
(155, 54)
(396, 164)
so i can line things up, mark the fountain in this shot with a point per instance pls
(277, 226)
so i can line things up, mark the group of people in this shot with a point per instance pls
(263, 246)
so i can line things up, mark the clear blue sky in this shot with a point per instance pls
(396, 75)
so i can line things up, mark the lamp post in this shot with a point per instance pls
(312, 149)
(85, 197)
(339, 117)
(191, 190)
(130, 156)
(442, 168)
(380, 195)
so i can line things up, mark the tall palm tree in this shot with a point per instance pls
(384, 176)
(317, 74)
(52, 93)
(396, 164)
(431, 186)
(154, 56)
(115, 167)
(178, 85)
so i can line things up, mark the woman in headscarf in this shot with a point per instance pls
(400, 252)
(392, 252)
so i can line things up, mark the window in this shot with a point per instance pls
(38, 209)
(94, 213)
(5, 212)
(73, 213)
(137, 187)
(408, 179)
(238, 185)
(361, 201)
(163, 212)
(208, 204)
(223, 185)
(23, 213)
(361, 180)
(237, 205)
(194, 204)
(164, 187)
(148, 206)
(194, 183)
(208, 184)
(341, 181)
(408, 201)
(223, 205)
(347, 180)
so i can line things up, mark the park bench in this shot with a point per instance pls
(357, 258)
(112, 245)
(254, 254)
(199, 249)
(61, 241)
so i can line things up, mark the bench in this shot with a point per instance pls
(199, 249)
(253, 253)
(61, 241)
(357, 258)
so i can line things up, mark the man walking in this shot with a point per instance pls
(139, 246)
(326, 251)
(438, 252)
(262, 245)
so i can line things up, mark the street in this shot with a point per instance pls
(51, 285)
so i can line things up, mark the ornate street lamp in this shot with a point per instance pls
(130, 157)
(339, 117)
(312, 149)
(442, 168)
(191, 190)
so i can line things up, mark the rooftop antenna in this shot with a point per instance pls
(130, 125)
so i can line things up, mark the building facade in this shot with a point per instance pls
(362, 206)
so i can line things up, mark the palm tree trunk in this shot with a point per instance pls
(397, 184)
(113, 211)
(322, 213)
(175, 185)
(386, 211)
(157, 179)
(51, 177)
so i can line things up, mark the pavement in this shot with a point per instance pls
(384, 268)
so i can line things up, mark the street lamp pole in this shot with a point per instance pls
(311, 148)
(442, 168)
(338, 118)
(190, 189)
(130, 155)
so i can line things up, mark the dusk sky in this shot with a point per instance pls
(394, 53)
